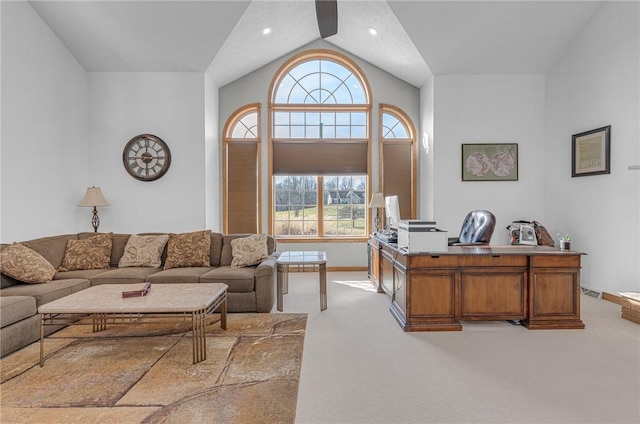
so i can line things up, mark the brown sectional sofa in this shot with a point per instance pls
(251, 288)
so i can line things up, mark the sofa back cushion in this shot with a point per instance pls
(226, 256)
(51, 248)
(216, 248)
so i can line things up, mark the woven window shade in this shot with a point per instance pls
(242, 187)
(397, 175)
(320, 158)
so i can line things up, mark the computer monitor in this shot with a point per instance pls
(392, 209)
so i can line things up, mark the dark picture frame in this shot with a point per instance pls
(591, 152)
(490, 162)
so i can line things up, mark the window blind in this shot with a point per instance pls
(320, 157)
(242, 187)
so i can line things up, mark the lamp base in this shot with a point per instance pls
(95, 221)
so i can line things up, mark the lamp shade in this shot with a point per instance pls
(93, 197)
(377, 201)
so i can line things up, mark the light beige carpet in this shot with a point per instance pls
(144, 374)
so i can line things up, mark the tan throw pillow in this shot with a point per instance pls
(188, 249)
(248, 251)
(91, 253)
(143, 251)
(26, 265)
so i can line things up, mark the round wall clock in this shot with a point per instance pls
(146, 157)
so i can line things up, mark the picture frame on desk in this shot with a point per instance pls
(591, 152)
(490, 162)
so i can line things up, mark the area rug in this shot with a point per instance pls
(144, 374)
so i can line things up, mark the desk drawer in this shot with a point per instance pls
(487, 260)
(555, 261)
(426, 261)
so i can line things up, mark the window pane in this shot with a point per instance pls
(281, 118)
(296, 205)
(344, 206)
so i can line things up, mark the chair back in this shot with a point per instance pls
(477, 227)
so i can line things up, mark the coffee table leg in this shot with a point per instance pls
(323, 287)
(199, 336)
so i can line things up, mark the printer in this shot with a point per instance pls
(415, 235)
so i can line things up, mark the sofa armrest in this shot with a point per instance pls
(265, 283)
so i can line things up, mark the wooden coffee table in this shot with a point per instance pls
(106, 305)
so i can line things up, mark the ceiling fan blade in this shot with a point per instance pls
(327, 14)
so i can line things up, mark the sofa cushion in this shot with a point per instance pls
(239, 280)
(16, 308)
(24, 264)
(118, 241)
(179, 275)
(188, 249)
(143, 251)
(226, 256)
(249, 250)
(45, 293)
(128, 275)
(51, 248)
(91, 253)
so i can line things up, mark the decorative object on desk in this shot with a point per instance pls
(527, 235)
(590, 152)
(565, 242)
(490, 162)
(377, 202)
(146, 157)
(542, 235)
(92, 199)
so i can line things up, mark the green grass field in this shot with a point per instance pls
(287, 223)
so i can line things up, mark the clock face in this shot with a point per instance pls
(146, 157)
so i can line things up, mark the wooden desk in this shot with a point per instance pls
(536, 285)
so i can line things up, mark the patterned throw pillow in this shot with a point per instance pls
(26, 265)
(188, 249)
(143, 251)
(248, 251)
(91, 253)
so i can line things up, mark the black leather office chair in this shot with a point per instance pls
(477, 228)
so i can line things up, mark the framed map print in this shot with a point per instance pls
(590, 152)
(490, 162)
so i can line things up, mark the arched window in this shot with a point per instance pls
(241, 171)
(398, 158)
(319, 144)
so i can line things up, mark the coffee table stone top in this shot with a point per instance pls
(162, 298)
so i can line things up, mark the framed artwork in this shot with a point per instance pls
(490, 162)
(590, 152)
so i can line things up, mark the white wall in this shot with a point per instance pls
(596, 84)
(212, 157)
(170, 106)
(44, 129)
(488, 109)
(386, 88)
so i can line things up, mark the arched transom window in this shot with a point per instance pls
(320, 138)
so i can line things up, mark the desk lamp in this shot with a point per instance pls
(94, 198)
(377, 202)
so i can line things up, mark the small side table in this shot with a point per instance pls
(302, 261)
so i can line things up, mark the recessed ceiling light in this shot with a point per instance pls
(267, 31)
(372, 31)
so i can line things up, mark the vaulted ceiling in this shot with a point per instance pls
(415, 38)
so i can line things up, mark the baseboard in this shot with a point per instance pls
(612, 298)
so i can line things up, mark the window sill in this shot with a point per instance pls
(282, 239)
